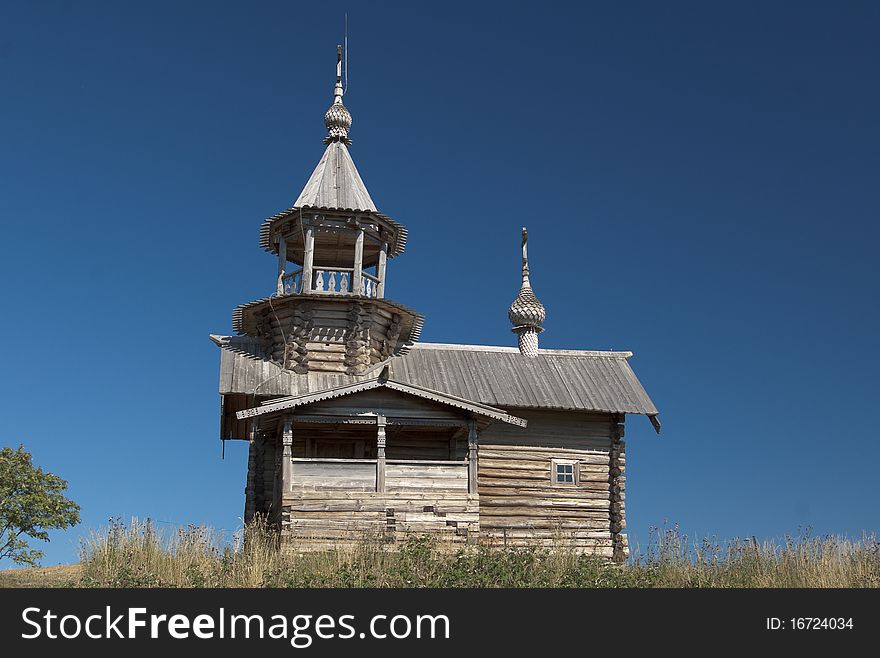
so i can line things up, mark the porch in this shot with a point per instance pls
(361, 493)
(376, 460)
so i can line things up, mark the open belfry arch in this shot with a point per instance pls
(358, 431)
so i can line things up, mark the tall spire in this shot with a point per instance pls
(526, 313)
(338, 118)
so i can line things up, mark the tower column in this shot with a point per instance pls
(308, 259)
(383, 257)
(357, 281)
(282, 264)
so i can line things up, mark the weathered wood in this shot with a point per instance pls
(616, 514)
(380, 452)
(521, 503)
(358, 475)
(286, 456)
(380, 270)
(308, 259)
(282, 264)
(358, 280)
(472, 456)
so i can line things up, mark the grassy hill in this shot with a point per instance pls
(60, 576)
(138, 555)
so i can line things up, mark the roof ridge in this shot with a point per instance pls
(465, 347)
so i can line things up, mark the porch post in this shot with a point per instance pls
(472, 456)
(286, 463)
(380, 453)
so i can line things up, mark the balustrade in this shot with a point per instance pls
(330, 281)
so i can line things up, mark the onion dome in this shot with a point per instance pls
(527, 313)
(338, 121)
(338, 118)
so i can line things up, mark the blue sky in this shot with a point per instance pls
(700, 183)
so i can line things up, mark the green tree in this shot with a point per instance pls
(31, 502)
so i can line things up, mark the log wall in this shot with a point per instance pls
(517, 500)
(335, 335)
(521, 504)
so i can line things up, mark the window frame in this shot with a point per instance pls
(554, 472)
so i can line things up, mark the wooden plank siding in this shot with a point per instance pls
(335, 501)
(521, 504)
(314, 521)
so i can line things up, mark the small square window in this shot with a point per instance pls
(564, 472)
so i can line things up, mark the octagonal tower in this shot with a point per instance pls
(329, 312)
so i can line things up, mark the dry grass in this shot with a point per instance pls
(801, 561)
(65, 575)
(139, 555)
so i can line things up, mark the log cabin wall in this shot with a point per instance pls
(521, 504)
(518, 500)
(341, 335)
(261, 477)
(315, 518)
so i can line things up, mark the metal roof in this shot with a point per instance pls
(370, 384)
(575, 380)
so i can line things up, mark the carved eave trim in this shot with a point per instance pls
(244, 324)
(288, 221)
(475, 408)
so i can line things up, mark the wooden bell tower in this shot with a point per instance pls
(328, 312)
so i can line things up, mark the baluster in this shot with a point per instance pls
(319, 280)
(331, 282)
(343, 282)
(368, 288)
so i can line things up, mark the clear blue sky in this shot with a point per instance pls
(700, 183)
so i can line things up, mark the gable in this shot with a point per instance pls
(436, 400)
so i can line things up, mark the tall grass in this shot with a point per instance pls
(140, 555)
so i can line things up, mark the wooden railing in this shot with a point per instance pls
(291, 283)
(333, 474)
(330, 281)
(370, 285)
(401, 475)
(335, 281)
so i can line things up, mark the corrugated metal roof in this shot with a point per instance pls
(496, 376)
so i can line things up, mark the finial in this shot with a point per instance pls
(338, 118)
(338, 91)
(525, 258)
(527, 313)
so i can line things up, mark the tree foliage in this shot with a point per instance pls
(32, 502)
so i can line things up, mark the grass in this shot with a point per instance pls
(64, 575)
(139, 555)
